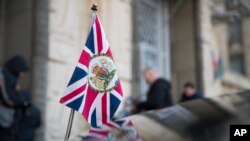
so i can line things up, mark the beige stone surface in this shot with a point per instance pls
(246, 36)
(214, 38)
(183, 48)
(69, 22)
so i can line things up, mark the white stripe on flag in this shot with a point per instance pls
(95, 39)
(116, 94)
(74, 98)
(75, 85)
(108, 106)
(84, 99)
(88, 51)
(96, 105)
(83, 67)
(104, 41)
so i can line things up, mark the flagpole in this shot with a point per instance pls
(71, 117)
(72, 112)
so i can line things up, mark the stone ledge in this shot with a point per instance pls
(236, 80)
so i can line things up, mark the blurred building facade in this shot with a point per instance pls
(202, 41)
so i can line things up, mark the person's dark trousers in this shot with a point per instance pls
(7, 134)
(29, 123)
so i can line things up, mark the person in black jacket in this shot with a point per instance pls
(159, 94)
(11, 100)
(30, 120)
(190, 93)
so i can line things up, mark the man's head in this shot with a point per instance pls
(17, 65)
(150, 75)
(189, 89)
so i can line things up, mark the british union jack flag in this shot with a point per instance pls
(94, 88)
(95, 91)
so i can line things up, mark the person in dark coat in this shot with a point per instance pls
(11, 100)
(159, 94)
(190, 93)
(30, 120)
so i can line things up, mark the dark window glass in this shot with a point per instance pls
(237, 63)
(236, 57)
(235, 33)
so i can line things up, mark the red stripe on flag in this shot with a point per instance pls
(130, 123)
(99, 35)
(73, 94)
(102, 133)
(84, 58)
(111, 125)
(104, 108)
(118, 88)
(214, 63)
(89, 99)
(109, 53)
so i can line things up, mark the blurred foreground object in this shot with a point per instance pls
(199, 120)
(127, 110)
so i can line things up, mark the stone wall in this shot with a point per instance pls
(69, 22)
(246, 35)
(215, 39)
(183, 48)
(16, 38)
(246, 32)
(2, 27)
(24, 31)
(39, 50)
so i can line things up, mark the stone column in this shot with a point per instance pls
(2, 19)
(246, 36)
(183, 48)
(40, 45)
(246, 41)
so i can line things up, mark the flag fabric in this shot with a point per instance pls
(125, 131)
(94, 88)
(217, 65)
(213, 59)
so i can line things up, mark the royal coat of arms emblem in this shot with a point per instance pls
(103, 75)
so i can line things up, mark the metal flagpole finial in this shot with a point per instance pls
(94, 7)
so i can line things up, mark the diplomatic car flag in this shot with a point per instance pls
(94, 88)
